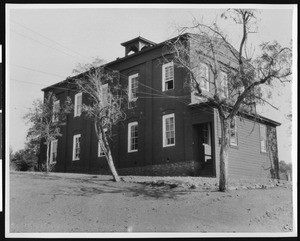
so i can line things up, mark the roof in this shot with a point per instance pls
(138, 39)
(257, 117)
(149, 49)
(122, 58)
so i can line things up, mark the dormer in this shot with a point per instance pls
(137, 44)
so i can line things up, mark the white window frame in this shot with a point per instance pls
(74, 147)
(130, 125)
(164, 75)
(130, 78)
(207, 132)
(104, 88)
(233, 141)
(100, 152)
(261, 126)
(55, 109)
(76, 112)
(224, 86)
(51, 151)
(165, 117)
(203, 79)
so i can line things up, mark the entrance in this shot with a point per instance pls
(203, 152)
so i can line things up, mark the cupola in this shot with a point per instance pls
(137, 44)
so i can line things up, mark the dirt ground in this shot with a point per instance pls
(88, 203)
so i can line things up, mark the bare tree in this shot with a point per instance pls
(105, 105)
(46, 117)
(235, 77)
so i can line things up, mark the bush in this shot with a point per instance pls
(23, 160)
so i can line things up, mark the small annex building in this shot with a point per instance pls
(167, 131)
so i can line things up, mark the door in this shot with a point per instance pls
(206, 142)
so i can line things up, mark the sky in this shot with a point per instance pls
(45, 43)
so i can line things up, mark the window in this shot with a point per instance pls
(224, 84)
(133, 136)
(263, 138)
(202, 76)
(206, 134)
(133, 87)
(53, 152)
(233, 132)
(168, 76)
(100, 149)
(78, 104)
(55, 111)
(104, 92)
(168, 130)
(76, 147)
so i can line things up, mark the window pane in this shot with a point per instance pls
(168, 76)
(78, 104)
(133, 137)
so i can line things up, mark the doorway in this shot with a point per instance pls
(203, 149)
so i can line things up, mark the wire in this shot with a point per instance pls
(122, 75)
(35, 70)
(44, 44)
(60, 88)
(50, 39)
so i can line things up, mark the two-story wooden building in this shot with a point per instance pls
(167, 131)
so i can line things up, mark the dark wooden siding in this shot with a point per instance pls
(245, 160)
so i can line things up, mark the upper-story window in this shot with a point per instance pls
(224, 84)
(168, 76)
(104, 93)
(169, 130)
(133, 136)
(133, 83)
(55, 111)
(76, 147)
(233, 132)
(263, 138)
(202, 76)
(53, 152)
(78, 104)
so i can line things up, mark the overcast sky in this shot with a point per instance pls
(45, 44)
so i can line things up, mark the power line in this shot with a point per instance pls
(44, 44)
(125, 76)
(51, 40)
(60, 88)
(35, 70)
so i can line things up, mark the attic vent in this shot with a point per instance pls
(137, 44)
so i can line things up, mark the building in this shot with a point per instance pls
(168, 131)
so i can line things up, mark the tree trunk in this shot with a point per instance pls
(108, 155)
(223, 182)
(47, 161)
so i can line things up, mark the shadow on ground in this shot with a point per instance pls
(126, 189)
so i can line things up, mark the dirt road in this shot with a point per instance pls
(86, 203)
